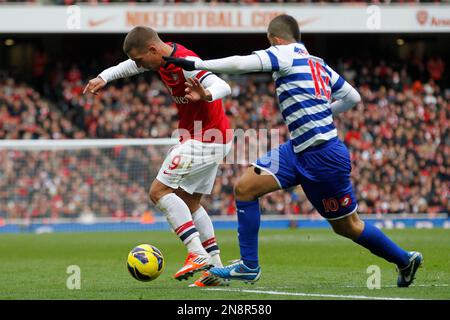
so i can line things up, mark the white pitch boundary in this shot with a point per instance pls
(416, 285)
(302, 294)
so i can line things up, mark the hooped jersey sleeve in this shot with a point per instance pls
(276, 59)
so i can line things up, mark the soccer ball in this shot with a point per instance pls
(145, 262)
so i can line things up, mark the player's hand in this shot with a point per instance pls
(94, 85)
(195, 91)
(187, 65)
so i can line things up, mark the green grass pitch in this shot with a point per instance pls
(296, 264)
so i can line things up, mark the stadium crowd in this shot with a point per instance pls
(398, 137)
(212, 2)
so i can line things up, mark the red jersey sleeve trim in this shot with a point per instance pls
(201, 74)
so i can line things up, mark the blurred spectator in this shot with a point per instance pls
(24, 114)
(212, 2)
(39, 68)
(436, 68)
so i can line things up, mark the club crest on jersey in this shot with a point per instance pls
(345, 201)
(174, 76)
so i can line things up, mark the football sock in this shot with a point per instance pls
(179, 217)
(379, 244)
(195, 245)
(205, 227)
(249, 218)
(216, 261)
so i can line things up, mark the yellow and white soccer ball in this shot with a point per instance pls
(145, 262)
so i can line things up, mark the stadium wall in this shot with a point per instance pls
(414, 18)
(401, 221)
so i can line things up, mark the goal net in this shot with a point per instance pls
(78, 179)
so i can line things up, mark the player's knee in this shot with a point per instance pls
(243, 191)
(153, 196)
(192, 205)
(155, 193)
(350, 228)
(341, 230)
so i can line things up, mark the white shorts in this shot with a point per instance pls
(193, 166)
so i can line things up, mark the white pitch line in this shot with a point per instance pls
(415, 285)
(302, 294)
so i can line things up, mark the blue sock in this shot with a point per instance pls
(249, 218)
(379, 244)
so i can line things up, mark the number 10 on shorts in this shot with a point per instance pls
(330, 205)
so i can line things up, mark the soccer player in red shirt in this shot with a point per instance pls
(190, 168)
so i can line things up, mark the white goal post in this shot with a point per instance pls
(68, 144)
(67, 179)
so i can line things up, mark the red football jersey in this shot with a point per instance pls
(210, 115)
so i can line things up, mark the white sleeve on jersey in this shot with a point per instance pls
(124, 69)
(230, 65)
(276, 59)
(215, 85)
(346, 102)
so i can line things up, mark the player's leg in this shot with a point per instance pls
(203, 223)
(271, 172)
(197, 182)
(370, 237)
(326, 181)
(253, 184)
(176, 211)
(379, 244)
(179, 217)
(205, 227)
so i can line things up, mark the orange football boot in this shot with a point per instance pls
(194, 263)
(209, 280)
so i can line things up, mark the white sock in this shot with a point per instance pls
(205, 227)
(179, 217)
(195, 245)
(215, 260)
